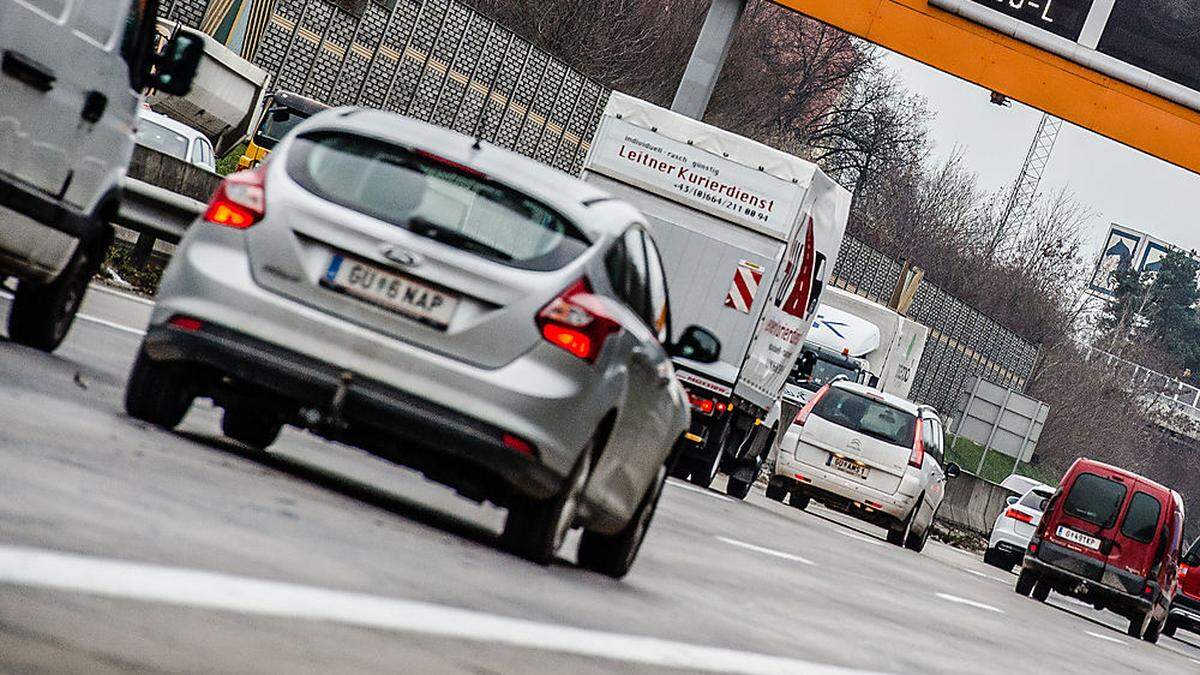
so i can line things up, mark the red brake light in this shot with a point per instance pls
(575, 321)
(917, 458)
(704, 405)
(803, 413)
(1018, 515)
(457, 166)
(240, 200)
(186, 323)
(518, 444)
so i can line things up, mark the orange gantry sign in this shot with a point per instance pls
(1020, 71)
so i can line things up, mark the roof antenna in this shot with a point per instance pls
(487, 97)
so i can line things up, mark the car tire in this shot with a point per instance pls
(916, 543)
(158, 392)
(1137, 625)
(42, 314)
(1153, 631)
(1026, 580)
(535, 528)
(1169, 628)
(613, 555)
(898, 533)
(995, 558)
(251, 427)
(798, 501)
(704, 473)
(777, 492)
(1041, 591)
(738, 489)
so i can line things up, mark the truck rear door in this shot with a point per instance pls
(1087, 521)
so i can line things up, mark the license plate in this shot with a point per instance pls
(1078, 537)
(390, 290)
(849, 466)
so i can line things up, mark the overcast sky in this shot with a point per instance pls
(1117, 183)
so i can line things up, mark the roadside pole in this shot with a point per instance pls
(708, 57)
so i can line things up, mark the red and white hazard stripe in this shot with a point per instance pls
(745, 284)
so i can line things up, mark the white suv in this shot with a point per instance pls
(873, 455)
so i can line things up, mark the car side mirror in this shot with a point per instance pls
(175, 67)
(697, 344)
(953, 470)
(1013, 500)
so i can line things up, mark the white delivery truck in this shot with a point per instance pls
(749, 236)
(865, 341)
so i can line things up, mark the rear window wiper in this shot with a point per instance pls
(427, 228)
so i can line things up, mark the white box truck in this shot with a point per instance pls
(749, 237)
(865, 341)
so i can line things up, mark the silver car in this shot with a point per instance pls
(448, 305)
(870, 454)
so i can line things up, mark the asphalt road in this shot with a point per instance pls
(125, 548)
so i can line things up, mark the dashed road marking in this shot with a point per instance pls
(704, 491)
(983, 575)
(258, 597)
(110, 324)
(766, 551)
(1101, 636)
(969, 603)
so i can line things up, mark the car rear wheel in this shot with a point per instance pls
(1025, 583)
(255, 428)
(613, 555)
(42, 314)
(996, 558)
(898, 533)
(535, 529)
(915, 542)
(1041, 591)
(158, 392)
(777, 492)
(1169, 628)
(1137, 625)
(798, 501)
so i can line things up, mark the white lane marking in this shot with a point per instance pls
(128, 296)
(258, 597)
(765, 551)
(860, 537)
(982, 575)
(110, 324)
(970, 603)
(1101, 636)
(704, 491)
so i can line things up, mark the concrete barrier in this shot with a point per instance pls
(972, 503)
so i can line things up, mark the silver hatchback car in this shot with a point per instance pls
(445, 304)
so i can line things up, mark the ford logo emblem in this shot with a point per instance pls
(401, 256)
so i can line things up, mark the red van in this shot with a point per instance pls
(1185, 610)
(1110, 538)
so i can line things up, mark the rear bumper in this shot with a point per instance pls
(429, 431)
(1080, 586)
(1185, 612)
(826, 485)
(1008, 542)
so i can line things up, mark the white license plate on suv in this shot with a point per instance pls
(849, 466)
(390, 290)
(1078, 538)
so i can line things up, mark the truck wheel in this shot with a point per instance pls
(42, 314)
(252, 427)
(703, 474)
(1138, 625)
(535, 529)
(613, 555)
(158, 392)
(738, 489)
(1026, 580)
(1153, 631)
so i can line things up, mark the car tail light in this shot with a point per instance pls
(917, 458)
(186, 323)
(576, 322)
(518, 444)
(240, 200)
(1018, 515)
(704, 405)
(803, 413)
(1033, 547)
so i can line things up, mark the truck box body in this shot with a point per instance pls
(855, 326)
(749, 236)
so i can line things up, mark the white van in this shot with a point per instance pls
(71, 76)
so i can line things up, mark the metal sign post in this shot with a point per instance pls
(708, 57)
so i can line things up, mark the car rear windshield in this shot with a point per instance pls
(867, 416)
(436, 199)
(1141, 520)
(1095, 499)
(157, 137)
(1034, 499)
